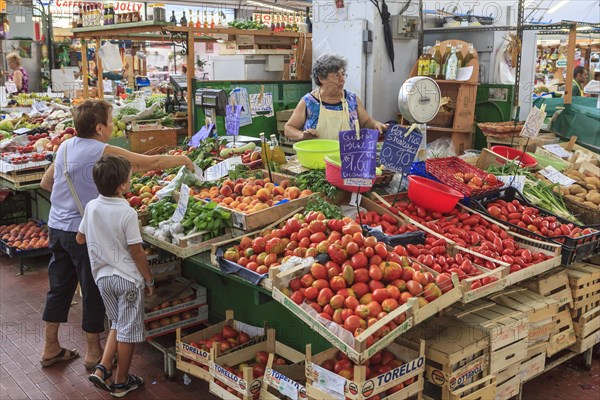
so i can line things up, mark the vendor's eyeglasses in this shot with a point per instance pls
(338, 75)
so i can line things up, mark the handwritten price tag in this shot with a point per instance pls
(222, 169)
(518, 182)
(555, 176)
(399, 151)
(287, 389)
(232, 119)
(557, 150)
(358, 157)
(329, 382)
(184, 195)
(533, 123)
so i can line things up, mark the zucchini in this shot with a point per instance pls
(237, 150)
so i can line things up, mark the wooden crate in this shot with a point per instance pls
(141, 142)
(456, 357)
(248, 386)
(587, 330)
(357, 348)
(200, 318)
(563, 334)
(187, 246)
(584, 279)
(537, 349)
(508, 389)
(283, 380)
(22, 177)
(532, 367)
(360, 387)
(538, 309)
(553, 284)
(195, 361)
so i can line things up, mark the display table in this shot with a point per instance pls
(252, 304)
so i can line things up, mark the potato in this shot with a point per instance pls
(581, 195)
(575, 173)
(590, 204)
(574, 198)
(592, 181)
(575, 189)
(593, 197)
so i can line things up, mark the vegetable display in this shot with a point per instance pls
(315, 181)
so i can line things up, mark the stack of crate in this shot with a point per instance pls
(584, 280)
(282, 118)
(457, 359)
(540, 312)
(507, 331)
(555, 285)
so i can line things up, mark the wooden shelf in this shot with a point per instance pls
(126, 28)
(234, 31)
(445, 82)
(449, 130)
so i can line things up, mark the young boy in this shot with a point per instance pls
(120, 269)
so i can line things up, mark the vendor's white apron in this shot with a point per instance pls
(331, 122)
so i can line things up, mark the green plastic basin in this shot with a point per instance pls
(311, 153)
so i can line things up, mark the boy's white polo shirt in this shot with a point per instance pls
(110, 225)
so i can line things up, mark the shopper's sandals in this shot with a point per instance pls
(133, 382)
(64, 355)
(100, 381)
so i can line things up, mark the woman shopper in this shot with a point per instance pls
(19, 75)
(72, 186)
(329, 109)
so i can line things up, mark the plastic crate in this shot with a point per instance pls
(16, 208)
(573, 249)
(445, 168)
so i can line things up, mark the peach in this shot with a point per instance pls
(278, 191)
(238, 188)
(292, 193)
(247, 200)
(284, 183)
(263, 195)
(306, 193)
(248, 190)
(226, 190)
(260, 182)
(234, 204)
(269, 186)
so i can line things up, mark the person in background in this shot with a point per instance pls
(69, 179)
(19, 75)
(329, 109)
(580, 79)
(120, 274)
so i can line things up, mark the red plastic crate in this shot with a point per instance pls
(445, 168)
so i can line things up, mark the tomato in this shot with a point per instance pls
(337, 254)
(370, 241)
(359, 260)
(381, 250)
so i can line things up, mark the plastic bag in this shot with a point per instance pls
(441, 148)
(183, 176)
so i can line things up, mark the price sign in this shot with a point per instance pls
(184, 195)
(329, 382)
(287, 389)
(222, 169)
(399, 150)
(555, 176)
(557, 150)
(11, 87)
(533, 123)
(517, 181)
(358, 157)
(201, 135)
(232, 119)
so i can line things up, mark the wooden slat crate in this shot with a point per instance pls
(24, 177)
(587, 330)
(508, 383)
(584, 279)
(457, 358)
(283, 380)
(408, 373)
(554, 284)
(539, 310)
(532, 367)
(563, 334)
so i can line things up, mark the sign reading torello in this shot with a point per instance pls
(65, 6)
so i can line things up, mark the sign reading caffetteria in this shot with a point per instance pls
(65, 6)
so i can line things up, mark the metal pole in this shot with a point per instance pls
(520, 15)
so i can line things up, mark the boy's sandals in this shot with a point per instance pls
(64, 355)
(133, 382)
(90, 366)
(100, 381)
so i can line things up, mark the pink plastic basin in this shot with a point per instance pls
(431, 195)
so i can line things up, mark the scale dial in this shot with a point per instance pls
(419, 99)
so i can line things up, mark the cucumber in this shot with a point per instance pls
(237, 150)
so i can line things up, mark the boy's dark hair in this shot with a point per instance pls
(579, 70)
(88, 115)
(109, 173)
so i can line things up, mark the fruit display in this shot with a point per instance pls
(171, 319)
(24, 156)
(417, 213)
(227, 339)
(57, 139)
(251, 194)
(475, 182)
(388, 224)
(171, 303)
(25, 236)
(526, 217)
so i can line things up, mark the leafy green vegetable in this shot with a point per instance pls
(317, 203)
(315, 181)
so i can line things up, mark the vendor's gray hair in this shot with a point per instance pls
(325, 65)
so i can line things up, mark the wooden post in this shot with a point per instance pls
(570, 65)
(100, 80)
(84, 68)
(190, 77)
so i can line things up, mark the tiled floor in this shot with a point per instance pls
(21, 342)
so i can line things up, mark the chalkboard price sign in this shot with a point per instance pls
(232, 119)
(358, 157)
(399, 150)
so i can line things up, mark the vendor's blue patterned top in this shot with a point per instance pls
(312, 109)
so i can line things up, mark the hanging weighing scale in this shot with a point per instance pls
(419, 101)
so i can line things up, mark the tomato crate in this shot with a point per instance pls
(199, 315)
(360, 348)
(573, 249)
(584, 280)
(16, 208)
(283, 381)
(553, 284)
(538, 309)
(587, 330)
(23, 175)
(532, 366)
(456, 359)
(247, 381)
(563, 335)
(173, 297)
(506, 329)
(445, 169)
(218, 256)
(402, 379)
(194, 358)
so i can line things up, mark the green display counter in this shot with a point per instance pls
(581, 119)
(251, 304)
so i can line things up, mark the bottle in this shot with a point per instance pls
(106, 17)
(183, 20)
(447, 53)
(288, 24)
(191, 21)
(265, 150)
(470, 55)
(295, 23)
(205, 20)
(173, 19)
(308, 21)
(272, 23)
(459, 54)
(98, 20)
(426, 61)
(75, 16)
(84, 15)
(212, 20)
(277, 154)
(420, 65)
(436, 60)
(452, 66)
(198, 21)
(79, 20)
